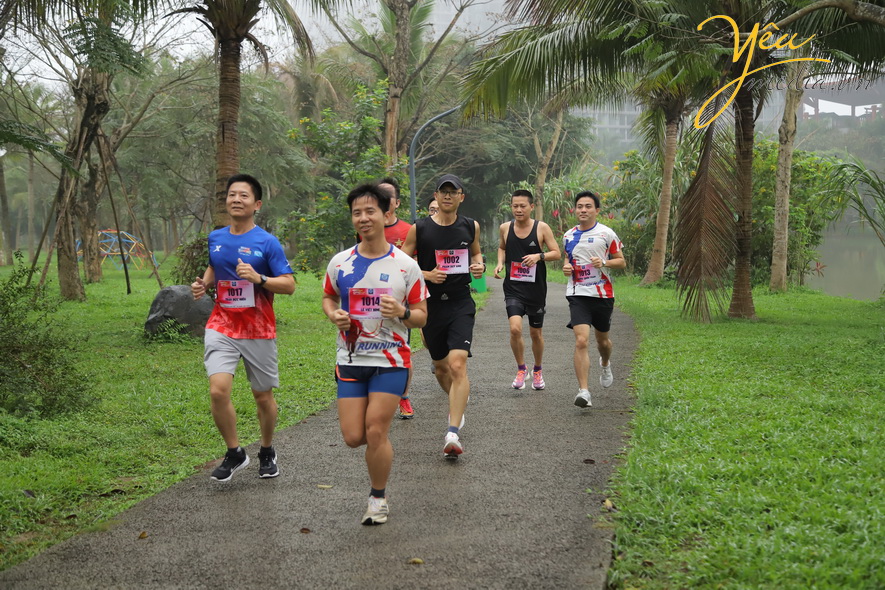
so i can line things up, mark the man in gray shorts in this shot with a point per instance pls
(247, 266)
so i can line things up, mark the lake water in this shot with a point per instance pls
(854, 261)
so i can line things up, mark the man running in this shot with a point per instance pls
(247, 266)
(522, 258)
(373, 293)
(448, 254)
(592, 249)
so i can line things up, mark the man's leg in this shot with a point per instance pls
(604, 344)
(223, 412)
(266, 407)
(516, 344)
(582, 358)
(443, 374)
(459, 389)
(379, 452)
(537, 345)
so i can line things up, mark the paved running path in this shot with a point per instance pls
(512, 512)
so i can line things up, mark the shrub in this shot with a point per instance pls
(38, 373)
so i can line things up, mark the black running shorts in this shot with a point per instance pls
(517, 307)
(593, 311)
(449, 326)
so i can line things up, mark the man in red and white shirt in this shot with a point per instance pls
(591, 249)
(373, 293)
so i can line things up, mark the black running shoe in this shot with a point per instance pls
(233, 462)
(268, 463)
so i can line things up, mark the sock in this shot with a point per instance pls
(405, 397)
(520, 367)
(537, 368)
(265, 450)
(377, 493)
(237, 450)
(453, 429)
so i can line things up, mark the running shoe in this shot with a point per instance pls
(582, 400)
(605, 377)
(405, 409)
(519, 382)
(453, 446)
(267, 461)
(377, 511)
(234, 460)
(538, 380)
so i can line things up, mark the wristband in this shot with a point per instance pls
(542, 257)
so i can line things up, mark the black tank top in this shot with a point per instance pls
(431, 237)
(531, 293)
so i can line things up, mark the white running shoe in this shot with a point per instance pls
(582, 400)
(377, 511)
(605, 377)
(453, 446)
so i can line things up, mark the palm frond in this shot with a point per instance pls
(704, 241)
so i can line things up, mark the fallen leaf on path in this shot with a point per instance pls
(323, 486)
(143, 535)
(609, 505)
(305, 530)
(416, 561)
(589, 461)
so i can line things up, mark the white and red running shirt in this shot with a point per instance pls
(599, 241)
(243, 309)
(373, 341)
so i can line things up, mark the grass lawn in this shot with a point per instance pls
(757, 454)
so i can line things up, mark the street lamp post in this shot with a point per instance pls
(414, 142)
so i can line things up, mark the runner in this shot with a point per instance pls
(373, 293)
(247, 266)
(592, 249)
(448, 254)
(521, 256)
(395, 232)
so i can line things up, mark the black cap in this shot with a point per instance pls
(450, 179)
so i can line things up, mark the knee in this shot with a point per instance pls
(536, 334)
(263, 397)
(581, 342)
(219, 395)
(515, 331)
(458, 368)
(354, 439)
(375, 435)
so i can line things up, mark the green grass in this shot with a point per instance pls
(152, 426)
(757, 451)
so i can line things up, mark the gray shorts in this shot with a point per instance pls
(223, 354)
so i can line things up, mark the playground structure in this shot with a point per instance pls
(115, 246)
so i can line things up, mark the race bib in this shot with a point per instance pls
(234, 294)
(365, 304)
(586, 274)
(520, 272)
(453, 262)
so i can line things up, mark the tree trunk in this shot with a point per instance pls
(397, 74)
(5, 218)
(742, 293)
(87, 213)
(786, 136)
(227, 143)
(544, 166)
(662, 224)
(32, 238)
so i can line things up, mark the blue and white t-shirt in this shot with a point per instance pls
(580, 246)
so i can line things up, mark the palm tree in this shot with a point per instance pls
(231, 23)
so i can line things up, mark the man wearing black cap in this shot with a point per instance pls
(448, 254)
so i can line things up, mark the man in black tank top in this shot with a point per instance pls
(521, 256)
(448, 251)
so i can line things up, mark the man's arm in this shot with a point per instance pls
(553, 252)
(333, 311)
(502, 248)
(410, 245)
(477, 266)
(202, 284)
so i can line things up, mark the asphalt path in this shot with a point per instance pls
(521, 508)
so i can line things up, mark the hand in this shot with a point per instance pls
(567, 269)
(498, 269)
(530, 259)
(477, 269)
(435, 276)
(596, 261)
(390, 308)
(245, 271)
(340, 318)
(198, 288)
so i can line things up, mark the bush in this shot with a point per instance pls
(193, 258)
(38, 374)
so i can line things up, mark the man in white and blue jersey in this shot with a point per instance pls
(591, 250)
